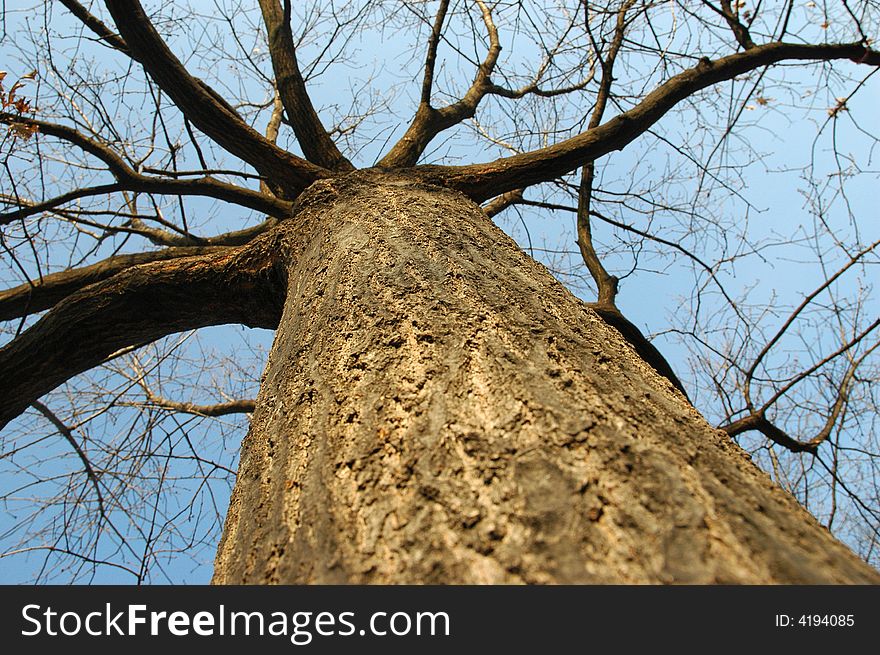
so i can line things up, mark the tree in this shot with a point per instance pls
(436, 406)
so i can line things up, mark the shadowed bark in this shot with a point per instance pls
(42, 294)
(139, 305)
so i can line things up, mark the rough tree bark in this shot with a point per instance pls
(438, 409)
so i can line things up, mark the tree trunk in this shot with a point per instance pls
(438, 409)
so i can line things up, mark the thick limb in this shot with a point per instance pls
(139, 305)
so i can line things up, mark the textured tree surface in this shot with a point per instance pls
(437, 408)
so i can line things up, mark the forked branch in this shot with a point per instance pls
(313, 138)
(756, 419)
(606, 284)
(429, 121)
(127, 179)
(483, 181)
(201, 106)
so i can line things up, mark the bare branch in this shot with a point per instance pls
(202, 107)
(740, 31)
(102, 151)
(502, 202)
(30, 208)
(791, 318)
(431, 57)
(845, 348)
(483, 181)
(313, 138)
(130, 180)
(97, 26)
(757, 419)
(428, 121)
(40, 295)
(135, 307)
(69, 553)
(111, 38)
(533, 89)
(162, 237)
(516, 198)
(759, 422)
(67, 433)
(606, 284)
(245, 406)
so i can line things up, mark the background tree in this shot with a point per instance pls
(435, 408)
